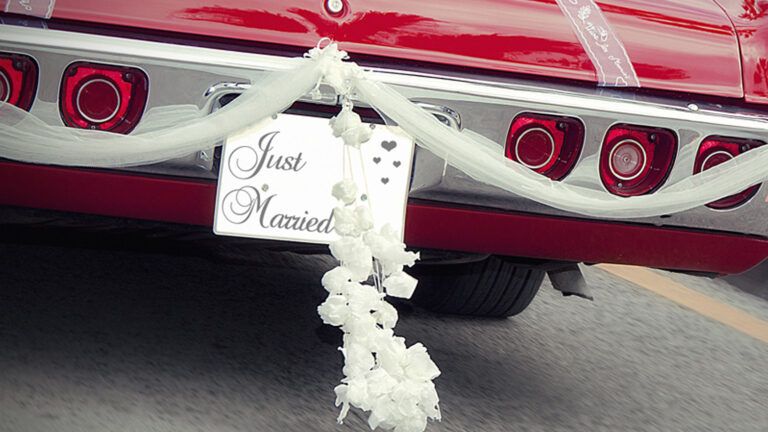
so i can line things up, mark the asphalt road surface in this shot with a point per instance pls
(109, 340)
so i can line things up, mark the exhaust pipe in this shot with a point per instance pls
(570, 281)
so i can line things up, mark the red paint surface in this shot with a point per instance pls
(679, 45)
(750, 19)
(427, 225)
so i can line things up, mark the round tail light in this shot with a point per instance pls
(549, 145)
(627, 160)
(715, 150)
(5, 87)
(535, 148)
(98, 100)
(103, 97)
(636, 160)
(18, 80)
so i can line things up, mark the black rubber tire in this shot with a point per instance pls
(491, 287)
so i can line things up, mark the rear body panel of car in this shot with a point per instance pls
(490, 45)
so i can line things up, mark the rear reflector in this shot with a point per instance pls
(636, 160)
(103, 97)
(715, 150)
(549, 145)
(18, 80)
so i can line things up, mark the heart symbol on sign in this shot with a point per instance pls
(376, 160)
(385, 180)
(388, 145)
(396, 163)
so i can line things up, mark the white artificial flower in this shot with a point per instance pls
(346, 119)
(358, 360)
(336, 280)
(415, 423)
(352, 222)
(378, 243)
(356, 136)
(418, 365)
(355, 255)
(350, 128)
(379, 382)
(400, 284)
(345, 222)
(386, 315)
(341, 399)
(389, 250)
(380, 413)
(430, 402)
(363, 325)
(364, 298)
(345, 191)
(377, 338)
(391, 356)
(357, 393)
(406, 396)
(334, 310)
(363, 218)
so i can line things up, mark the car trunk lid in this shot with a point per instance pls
(677, 45)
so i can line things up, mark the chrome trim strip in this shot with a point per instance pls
(568, 100)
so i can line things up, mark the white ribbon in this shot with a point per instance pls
(602, 45)
(36, 8)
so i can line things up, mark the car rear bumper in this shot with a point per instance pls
(428, 224)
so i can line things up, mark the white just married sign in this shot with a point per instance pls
(276, 177)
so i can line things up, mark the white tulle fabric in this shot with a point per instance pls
(175, 131)
(165, 133)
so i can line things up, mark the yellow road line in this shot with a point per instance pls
(694, 300)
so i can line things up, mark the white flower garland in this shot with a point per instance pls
(381, 374)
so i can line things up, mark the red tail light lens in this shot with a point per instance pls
(549, 145)
(636, 160)
(103, 97)
(716, 150)
(18, 80)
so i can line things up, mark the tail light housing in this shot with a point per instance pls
(715, 150)
(636, 160)
(103, 97)
(18, 80)
(547, 144)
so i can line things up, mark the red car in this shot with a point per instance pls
(516, 71)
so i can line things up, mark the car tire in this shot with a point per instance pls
(490, 287)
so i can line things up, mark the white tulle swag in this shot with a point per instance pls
(176, 131)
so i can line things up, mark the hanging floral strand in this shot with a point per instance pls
(381, 375)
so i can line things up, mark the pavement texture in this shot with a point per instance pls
(112, 340)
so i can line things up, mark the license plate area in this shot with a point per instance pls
(275, 179)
